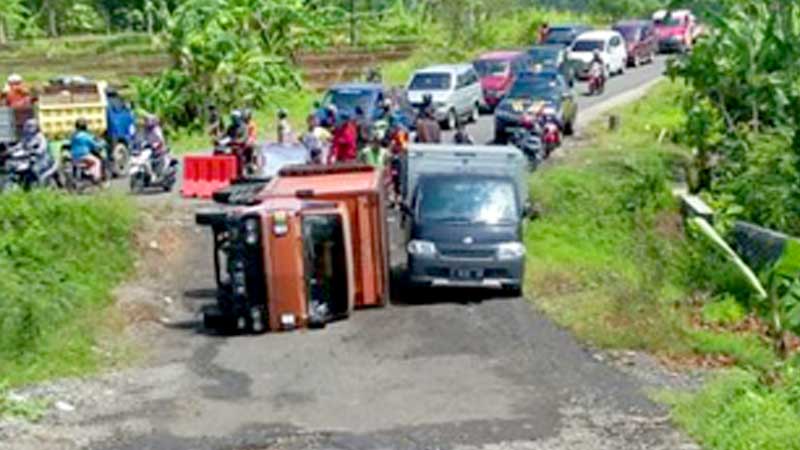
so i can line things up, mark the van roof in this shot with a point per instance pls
(500, 55)
(450, 68)
(324, 180)
(600, 35)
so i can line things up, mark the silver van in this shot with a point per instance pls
(455, 89)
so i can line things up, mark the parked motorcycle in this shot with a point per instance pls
(529, 141)
(19, 172)
(149, 171)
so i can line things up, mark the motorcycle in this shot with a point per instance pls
(529, 141)
(19, 171)
(551, 136)
(148, 171)
(596, 81)
(77, 178)
(247, 161)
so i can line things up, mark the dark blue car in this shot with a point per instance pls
(368, 96)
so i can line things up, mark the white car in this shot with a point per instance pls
(455, 90)
(612, 49)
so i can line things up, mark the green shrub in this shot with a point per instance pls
(60, 257)
(725, 310)
(739, 412)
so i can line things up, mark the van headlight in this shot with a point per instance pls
(251, 231)
(510, 250)
(421, 248)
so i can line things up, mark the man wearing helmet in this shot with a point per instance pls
(35, 144)
(15, 93)
(154, 139)
(83, 145)
(597, 67)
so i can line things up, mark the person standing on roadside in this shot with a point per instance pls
(428, 129)
(544, 30)
(284, 127)
(345, 141)
(16, 93)
(316, 140)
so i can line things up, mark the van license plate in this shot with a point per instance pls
(468, 274)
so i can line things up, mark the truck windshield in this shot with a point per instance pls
(546, 56)
(532, 88)
(430, 82)
(325, 264)
(457, 200)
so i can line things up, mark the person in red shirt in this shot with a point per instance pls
(16, 94)
(344, 147)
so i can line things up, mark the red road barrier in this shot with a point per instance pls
(202, 175)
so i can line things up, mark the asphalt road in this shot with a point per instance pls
(457, 370)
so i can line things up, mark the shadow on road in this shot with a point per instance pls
(404, 295)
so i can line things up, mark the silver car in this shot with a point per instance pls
(455, 90)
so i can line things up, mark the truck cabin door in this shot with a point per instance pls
(325, 260)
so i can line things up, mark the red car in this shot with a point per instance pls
(640, 39)
(498, 70)
(676, 30)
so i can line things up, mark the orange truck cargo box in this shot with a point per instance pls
(362, 190)
(285, 263)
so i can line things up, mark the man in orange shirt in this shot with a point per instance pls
(15, 92)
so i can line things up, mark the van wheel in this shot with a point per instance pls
(451, 120)
(476, 114)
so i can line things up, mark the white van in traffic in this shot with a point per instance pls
(612, 49)
(455, 90)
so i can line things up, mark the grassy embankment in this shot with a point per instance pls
(60, 258)
(610, 261)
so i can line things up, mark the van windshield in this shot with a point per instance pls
(430, 82)
(464, 200)
(588, 46)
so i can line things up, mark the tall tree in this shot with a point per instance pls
(12, 14)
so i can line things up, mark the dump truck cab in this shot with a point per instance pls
(362, 191)
(282, 264)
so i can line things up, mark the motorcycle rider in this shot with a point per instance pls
(83, 146)
(154, 139)
(597, 67)
(34, 143)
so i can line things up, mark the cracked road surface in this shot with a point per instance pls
(452, 371)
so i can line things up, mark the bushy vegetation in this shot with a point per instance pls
(610, 260)
(739, 411)
(744, 111)
(60, 257)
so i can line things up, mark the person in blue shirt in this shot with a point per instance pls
(83, 146)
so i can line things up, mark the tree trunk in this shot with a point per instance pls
(3, 33)
(52, 26)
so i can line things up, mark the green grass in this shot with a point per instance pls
(609, 260)
(601, 254)
(738, 411)
(60, 258)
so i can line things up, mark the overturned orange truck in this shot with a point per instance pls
(311, 247)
